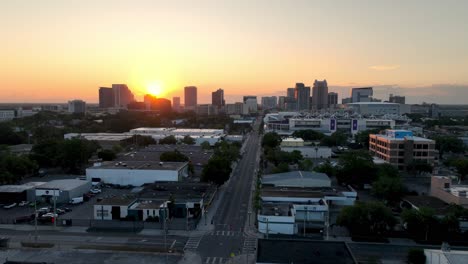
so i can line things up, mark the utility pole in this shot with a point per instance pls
(35, 216)
(164, 229)
(55, 210)
(305, 215)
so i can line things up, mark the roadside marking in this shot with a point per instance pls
(173, 244)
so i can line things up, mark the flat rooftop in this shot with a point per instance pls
(303, 251)
(20, 188)
(420, 139)
(307, 192)
(149, 204)
(140, 165)
(117, 201)
(196, 154)
(186, 191)
(276, 209)
(297, 179)
(63, 185)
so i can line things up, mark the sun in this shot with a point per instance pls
(154, 89)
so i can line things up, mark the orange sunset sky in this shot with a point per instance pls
(55, 50)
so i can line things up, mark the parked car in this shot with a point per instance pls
(9, 206)
(24, 219)
(76, 200)
(66, 209)
(95, 191)
(60, 211)
(32, 204)
(23, 203)
(43, 210)
(49, 215)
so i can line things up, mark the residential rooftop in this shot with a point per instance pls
(438, 205)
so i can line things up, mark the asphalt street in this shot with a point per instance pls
(228, 238)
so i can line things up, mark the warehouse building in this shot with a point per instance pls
(63, 190)
(17, 193)
(137, 173)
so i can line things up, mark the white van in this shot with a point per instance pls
(76, 200)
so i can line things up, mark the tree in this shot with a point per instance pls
(362, 137)
(416, 256)
(217, 170)
(336, 139)
(419, 167)
(282, 167)
(74, 153)
(461, 165)
(271, 140)
(47, 153)
(356, 167)
(9, 137)
(387, 170)
(420, 222)
(107, 155)
(306, 165)
(173, 156)
(14, 168)
(326, 168)
(367, 219)
(308, 135)
(448, 144)
(387, 188)
(142, 141)
(169, 140)
(188, 140)
(205, 145)
(230, 151)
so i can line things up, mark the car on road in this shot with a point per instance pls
(43, 210)
(23, 203)
(66, 209)
(60, 211)
(9, 206)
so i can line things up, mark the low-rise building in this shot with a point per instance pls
(442, 188)
(400, 148)
(63, 190)
(136, 173)
(292, 142)
(445, 256)
(17, 193)
(311, 152)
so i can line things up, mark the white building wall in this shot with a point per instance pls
(276, 224)
(130, 177)
(107, 212)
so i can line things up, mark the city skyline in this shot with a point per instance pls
(53, 55)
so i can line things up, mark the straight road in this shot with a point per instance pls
(228, 237)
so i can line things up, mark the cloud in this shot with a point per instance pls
(384, 67)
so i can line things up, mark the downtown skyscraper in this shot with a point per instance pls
(217, 98)
(190, 97)
(302, 96)
(320, 95)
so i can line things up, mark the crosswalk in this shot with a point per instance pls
(215, 260)
(193, 242)
(225, 233)
(250, 244)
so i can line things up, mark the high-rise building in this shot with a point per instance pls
(235, 109)
(396, 99)
(332, 99)
(269, 102)
(157, 104)
(106, 97)
(122, 95)
(302, 95)
(217, 98)
(176, 104)
(250, 104)
(363, 94)
(190, 97)
(282, 102)
(290, 92)
(77, 106)
(320, 95)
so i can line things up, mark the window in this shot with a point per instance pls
(401, 146)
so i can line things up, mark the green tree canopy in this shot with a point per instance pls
(205, 145)
(217, 170)
(308, 135)
(271, 140)
(188, 140)
(420, 223)
(449, 144)
(367, 219)
(173, 156)
(107, 155)
(169, 140)
(362, 137)
(388, 189)
(461, 165)
(282, 167)
(356, 167)
(338, 138)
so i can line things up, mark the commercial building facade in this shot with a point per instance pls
(363, 94)
(77, 106)
(400, 148)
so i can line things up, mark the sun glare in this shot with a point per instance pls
(154, 89)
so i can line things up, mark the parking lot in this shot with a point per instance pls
(83, 211)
